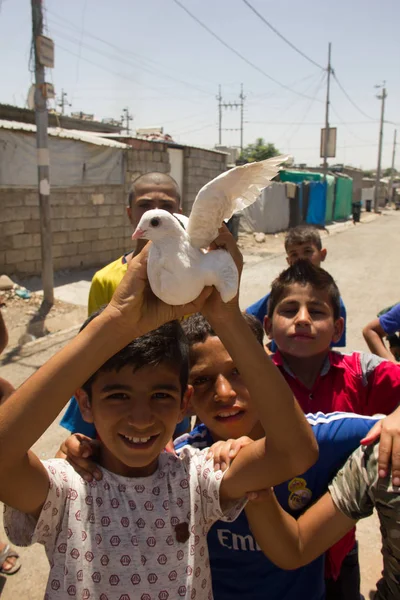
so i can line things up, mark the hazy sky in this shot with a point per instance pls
(154, 58)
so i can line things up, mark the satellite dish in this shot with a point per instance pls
(30, 101)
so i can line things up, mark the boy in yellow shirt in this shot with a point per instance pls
(152, 190)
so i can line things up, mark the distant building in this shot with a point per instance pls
(80, 121)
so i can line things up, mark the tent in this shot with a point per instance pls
(343, 198)
(270, 213)
(300, 177)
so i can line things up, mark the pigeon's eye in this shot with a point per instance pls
(155, 222)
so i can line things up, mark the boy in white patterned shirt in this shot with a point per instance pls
(141, 531)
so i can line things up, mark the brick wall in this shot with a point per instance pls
(89, 224)
(145, 157)
(199, 167)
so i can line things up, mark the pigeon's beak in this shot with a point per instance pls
(138, 233)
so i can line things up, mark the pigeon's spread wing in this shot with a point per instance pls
(226, 194)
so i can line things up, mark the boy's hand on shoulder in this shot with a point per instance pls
(224, 452)
(388, 429)
(81, 451)
(137, 308)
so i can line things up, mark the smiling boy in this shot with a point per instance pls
(151, 190)
(143, 527)
(148, 191)
(222, 402)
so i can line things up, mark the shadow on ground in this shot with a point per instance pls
(34, 284)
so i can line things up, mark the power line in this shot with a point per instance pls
(125, 51)
(348, 128)
(308, 122)
(268, 24)
(194, 130)
(80, 48)
(350, 100)
(246, 60)
(126, 61)
(306, 112)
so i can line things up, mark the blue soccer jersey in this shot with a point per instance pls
(238, 566)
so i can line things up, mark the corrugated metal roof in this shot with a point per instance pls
(71, 134)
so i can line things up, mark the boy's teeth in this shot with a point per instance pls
(137, 440)
(231, 413)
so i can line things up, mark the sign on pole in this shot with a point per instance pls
(331, 150)
(45, 51)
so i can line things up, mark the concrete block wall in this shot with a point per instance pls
(90, 228)
(145, 157)
(89, 224)
(199, 167)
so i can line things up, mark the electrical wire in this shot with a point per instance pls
(207, 126)
(357, 137)
(350, 99)
(246, 60)
(306, 112)
(124, 51)
(268, 24)
(80, 48)
(146, 69)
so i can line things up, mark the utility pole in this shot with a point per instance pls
(242, 99)
(219, 98)
(63, 102)
(43, 161)
(392, 170)
(225, 105)
(126, 116)
(328, 88)
(378, 170)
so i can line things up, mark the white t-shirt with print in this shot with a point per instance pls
(128, 538)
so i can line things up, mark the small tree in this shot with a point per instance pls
(260, 150)
(368, 173)
(389, 172)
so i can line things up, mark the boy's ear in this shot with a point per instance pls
(338, 329)
(287, 260)
(268, 326)
(186, 406)
(85, 406)
(323, 254)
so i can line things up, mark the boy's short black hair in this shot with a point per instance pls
(157, 179)
(167, 344)
(303, 234)
(198, 329)
(304, 273)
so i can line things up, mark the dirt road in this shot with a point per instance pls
(365, 268)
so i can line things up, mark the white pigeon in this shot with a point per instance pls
(178, 265)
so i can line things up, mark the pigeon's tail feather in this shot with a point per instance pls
(226, 194)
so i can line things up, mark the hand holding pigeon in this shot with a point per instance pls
(178, 266)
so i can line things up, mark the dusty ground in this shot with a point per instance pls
(28, 319)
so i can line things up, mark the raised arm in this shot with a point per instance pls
(373, 334)
(34, 406)
(289, 447)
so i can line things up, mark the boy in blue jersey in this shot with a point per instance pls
(353, 494)
(221, 400)
(301, 243)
